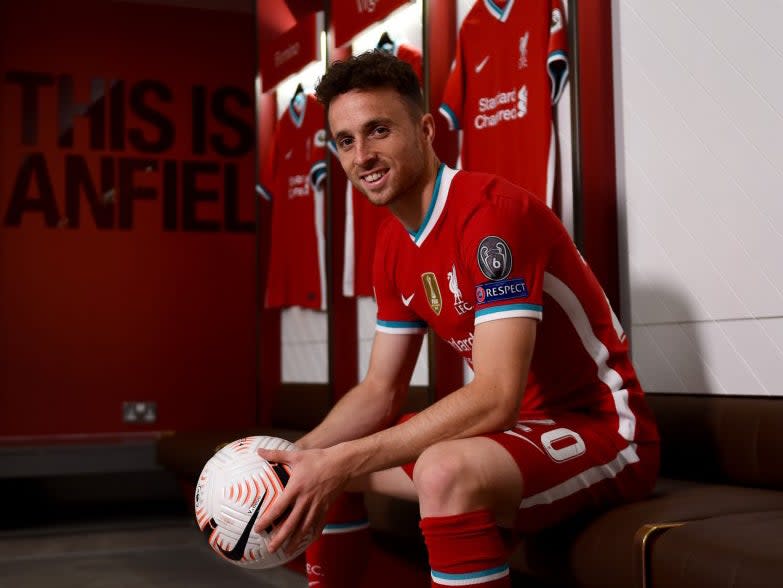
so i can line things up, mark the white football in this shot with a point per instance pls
(236, 487)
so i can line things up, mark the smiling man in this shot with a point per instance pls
(554, 421)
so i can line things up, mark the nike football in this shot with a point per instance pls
(236, 487)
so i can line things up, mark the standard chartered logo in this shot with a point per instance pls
(501, 107)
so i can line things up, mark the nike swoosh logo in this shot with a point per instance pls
(481, 65)
(238, 552)
(407, 301)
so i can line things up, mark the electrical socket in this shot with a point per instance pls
(139, 411)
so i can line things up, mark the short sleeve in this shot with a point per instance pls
(508, 247)
(557, 55)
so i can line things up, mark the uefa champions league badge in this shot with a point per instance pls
(494, 258)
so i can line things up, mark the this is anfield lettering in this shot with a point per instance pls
(123, 142)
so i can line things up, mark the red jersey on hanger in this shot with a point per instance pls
(510, 68)
(291, 179)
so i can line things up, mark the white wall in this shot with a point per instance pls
(699, 112)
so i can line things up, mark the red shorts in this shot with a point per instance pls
(573, 463)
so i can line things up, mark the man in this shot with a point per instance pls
(554, 421)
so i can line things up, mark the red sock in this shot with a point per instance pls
(338, 558)
(466, 549)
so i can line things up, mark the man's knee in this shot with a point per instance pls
(465, 475)
(444, 479)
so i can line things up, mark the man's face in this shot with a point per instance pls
(380, 145)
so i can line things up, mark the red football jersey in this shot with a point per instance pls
(510, 68)
(488, 250)
(292, 179)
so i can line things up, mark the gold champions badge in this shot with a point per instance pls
(433, 291)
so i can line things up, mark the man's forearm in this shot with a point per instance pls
(354, 432)
(360, 412)
(464, 413)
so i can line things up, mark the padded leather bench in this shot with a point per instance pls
(718, 469)
(737, 550)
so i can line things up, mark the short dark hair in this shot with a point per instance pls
(369, 70)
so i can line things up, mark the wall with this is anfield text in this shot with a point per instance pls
(127, 217)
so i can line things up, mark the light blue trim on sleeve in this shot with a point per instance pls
(450, 116)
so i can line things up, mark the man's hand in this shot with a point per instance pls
(317, 479)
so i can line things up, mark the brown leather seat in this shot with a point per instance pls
(602, 551)
(731, 551)
(718, 461)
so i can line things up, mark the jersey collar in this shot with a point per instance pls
(499, 13)
(440, 193)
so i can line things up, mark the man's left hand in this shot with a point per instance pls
(315, 482)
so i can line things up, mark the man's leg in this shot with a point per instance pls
(346, 533)
(465, 488)
(529, 477)
(338, 558)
